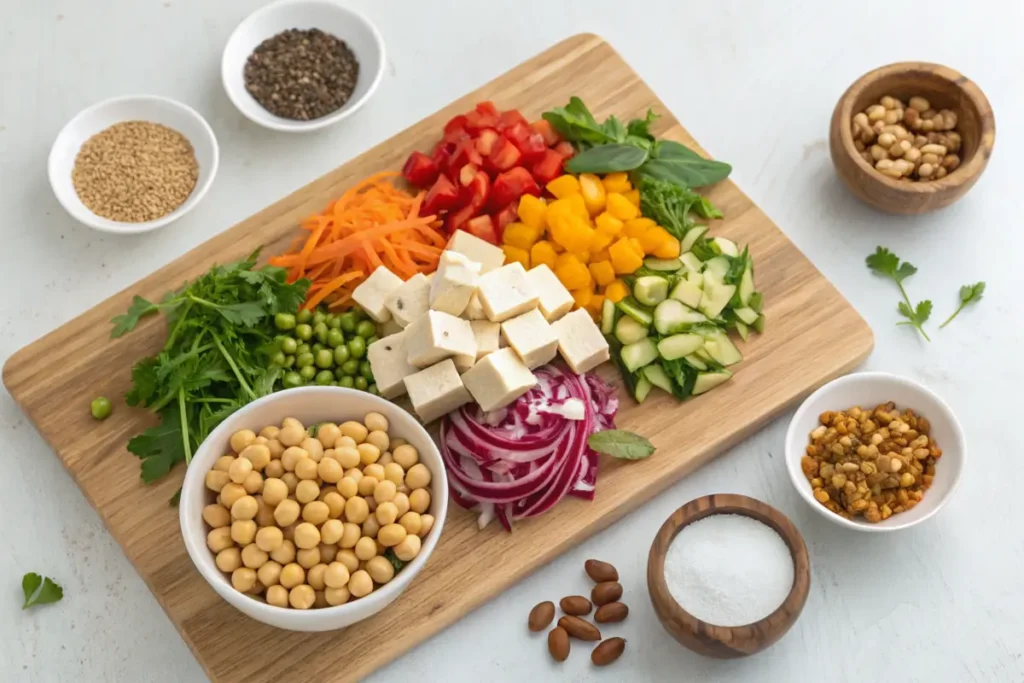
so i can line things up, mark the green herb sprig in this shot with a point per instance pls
(39, 591)
(885, 263)
(969, 294)
(621, 444)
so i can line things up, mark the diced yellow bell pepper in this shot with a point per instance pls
(617, 182)
(593, 193)
(543, 252)
(616, 291)
(625, 257)
(638, 247)
(634, 197)
(650, 240)
(573, 274)
(600, 240)
(603, 272)
(520, 235)
(595, 305)
(557, 210)
(583, 296)
(608, 223)
(573, 233)
(557, 247)
(669, 247)
(532, 211)
(583, 256)
(579, 207)
(620, 207)
(600, 256)
(516, 254)
(563, 186)
(635, 227)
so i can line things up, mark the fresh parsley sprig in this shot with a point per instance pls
(969, 294)
(887, 264)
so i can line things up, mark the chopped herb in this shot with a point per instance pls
(884, 262)
(393, 559)
(969, 294)
(621, 444)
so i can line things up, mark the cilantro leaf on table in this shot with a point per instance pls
(127, 322)
(969, 294)
(39, 591)
(887, 264)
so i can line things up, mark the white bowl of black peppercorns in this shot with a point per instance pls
(302, 65)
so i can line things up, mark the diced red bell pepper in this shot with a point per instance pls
(503, 156)
(441, 155)
(482, 227)
(529, 143)
(455, 130)
(486, 108)
(566, 149)
(442, 195)
(509, 118)
(513, 184)
(507, 215)
(476, 188)
(485, 115)
(465, 153)
(549, 167)
(456, 219)
(455, 123)
(420, 170)
(485, 141)
(546, 131)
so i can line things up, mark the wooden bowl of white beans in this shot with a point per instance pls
(314, 508)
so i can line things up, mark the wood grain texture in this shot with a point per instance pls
(944, 88)
(813, 335)
(727, 642)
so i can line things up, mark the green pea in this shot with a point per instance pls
(284, 321)
(333, 322)
(350, 367)
(334, 337)
(303, 332)
(304, 360)
(366, 329)
(340, 354)
(357, 347)
(373, 390)
(333, 383)
(288, 345)
(291, 380)
(307, 373)
(302, 348)
(289, 361)
(317, 348)
(319, 317)
(320, 332)
(348, 322)
(324, 377)
(346, 381)
(304, 316)
(366, 371)
(277, 358)
(372, 340)
(361, 384)
(101, 408)
(324, 358)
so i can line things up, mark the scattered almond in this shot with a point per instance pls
(611, 613)
(541, 616)
(605, 592)
(608, 651)
(580, 629)
(558, 644)
(576, 605)
(600, 571)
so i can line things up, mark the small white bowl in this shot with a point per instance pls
(309, 405)
(361, 36)
(868, 389)
(97, 118)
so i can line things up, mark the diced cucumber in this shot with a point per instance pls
(691, 262)
(722, 350)
(742, 330)
(716, 269)
(702, 354)
(747, 315)
(726, 246)
(629, 331)
(665, 265)
(643, 387)
(673, 317)
(746, 289)
(607, 317)
(696, 362)
(635, 310)
(706, 381)
(691, 237)
(650, 289)
(635, 356)
(715, 298)
(759, 324)
(656, 375)
(756, 301)
(687, 292)
(695, 278)
(679, 345)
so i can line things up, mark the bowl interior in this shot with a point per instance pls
(132, 108)
(309, 405)
(867, 390)
(357, 32)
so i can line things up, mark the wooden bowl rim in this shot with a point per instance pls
(968, 168)
(724, 504)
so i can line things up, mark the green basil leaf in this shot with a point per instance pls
(614, 128)
(621, 444)
(607, 159)
(678, 163)
(575, 123)
(641, 128)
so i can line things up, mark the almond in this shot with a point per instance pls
(576, 605)
(608, 651)
(600, 571)
(541, 615)
(608, 591)
(611, 613)
(580, 629)
(558, 644)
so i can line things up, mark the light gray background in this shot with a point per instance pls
(755, 83)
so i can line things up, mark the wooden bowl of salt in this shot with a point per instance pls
(739, 566)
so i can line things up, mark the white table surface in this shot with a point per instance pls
(755, 83)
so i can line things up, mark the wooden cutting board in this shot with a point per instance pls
(813, 335)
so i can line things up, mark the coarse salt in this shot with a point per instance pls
(729, 570)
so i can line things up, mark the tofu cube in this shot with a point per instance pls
(463, 363)
(389, 361)
(498, 379)
(436, 336)
(436, 391)
(410, 301)
(580, 341)
(454, 283)
(531, 336)
(475, 309)
(472, 247)
(373, 294)
(389, 328)
(487, 335)
(554, 299)
(506, 293)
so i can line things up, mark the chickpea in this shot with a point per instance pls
(253, 483)
(408, 549)
(368, 453)
(412, 523)
(417, 477)
(269, 574)
(306, 491)
(367, 486)
(276, 449)
(328, 553)
(264, 514)
(376, 470)
(348, 558)
(336, 596)
(371, 504)
(386, 512)
(241, 439)
(315, 576)
(291, 457)
(244, 508)
(270, 432)
(335, 504)
(273, 469)
(350, 535)
(405, 490)
(328, 433)
(395, 443)
(253, 557)
(354, 473)
(277, 596)
(291, 481)
(285, 553)
(306, 468)
(315, 512)
(365, 548)
(385, 459)
(380, 569)
(348, 487)
(379, 438)
(330, 470)
(239, 469)
(331, 531)
(223, 463)
(243, 531)
(371, 527)
(360, 584)
(306, 536)
(274, 491)
(228, 560)
(216, 515)
(269, 538)
(314, 448)
(292, 575)
(401, 502)
(216, 480)
(391, 535)
(292, 433)
(394, 472)
(355, 431)
(286, 512)
(419, 500)
(405, 455)
(426, 524)
(385, 491)
(347, 456)
(258, 455)
(301, 597)
(337, 575)
(243, 579)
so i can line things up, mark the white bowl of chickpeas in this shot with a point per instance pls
(314, 508)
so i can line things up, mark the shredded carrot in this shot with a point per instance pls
(374, 223)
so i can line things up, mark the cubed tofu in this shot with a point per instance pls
(463, 363)
(389, 361)
(410, 301)
(472, 247)
(454, 283)
(436, 391)
(506, 293)
(554, 299)
(389, 328)
(580, 341)
(531, 337)
(372, 295)
(487, 335)
(475, 309)
(498, 379)
(436, 336)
